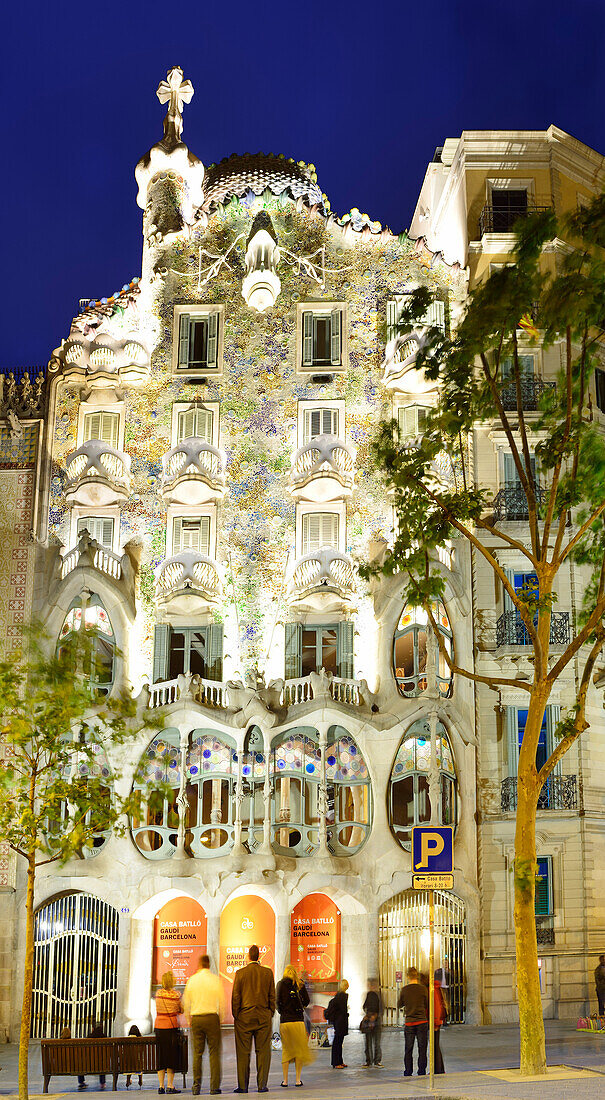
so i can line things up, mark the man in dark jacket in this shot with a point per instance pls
(415, 1003)
(599, 981)
(253, 1005)
(372, 1007)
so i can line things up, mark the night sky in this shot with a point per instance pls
(365, 91)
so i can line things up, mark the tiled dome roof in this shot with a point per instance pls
(255, 172)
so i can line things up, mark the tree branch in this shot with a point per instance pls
(580, 723)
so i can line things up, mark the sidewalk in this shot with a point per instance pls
(472, 1056)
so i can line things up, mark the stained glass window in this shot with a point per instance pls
(409, 790)
(410, 651)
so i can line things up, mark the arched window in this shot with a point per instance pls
(100, 659)
(410, 651)
(209, 805)
(88, 774)
(295, 770)
(409, 797)
(348, 793)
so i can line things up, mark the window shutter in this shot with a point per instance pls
(293, 655)
(184, 324)
(186, 425)
(99, 528)
(212, 342)
(312, 424)
(336, 350)
(553, 717)
(104, 426)
(435, 314)
(195, 422)
(161, 638)
(191, 534)
(177, 535)
(508, 604)
(543, 906)
(512, 740)
(204, 536)
(329, 530)
(345, 651)
(307, 349)
(92, 426)
(392, 318)
(214, 650)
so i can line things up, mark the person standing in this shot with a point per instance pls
(440, 1013)
(415, 1002)
(167, 1007)
(599, 980)
(372, 1007)
(292, 998)
(203, 1007)
(252, 1006)
(337, 1014)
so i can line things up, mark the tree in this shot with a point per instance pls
(479, 377)
(55, 800)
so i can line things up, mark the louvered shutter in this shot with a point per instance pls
(336, 338)
(312, 424)
(330, 422)
(553, 717)
(510, 576)
(435, 314)
(186, 425)
(195, 422)
(184, 327)
(512, 740)
(407, 421)
(99, 528)
(392, 319)
(543, 906)
(293, 654)
(161, 639)
(214, 651)
(212, 341)
(345, 651)
(307, 348)
(311, 532)
(329, 530)
(191, 534)
(104, 426)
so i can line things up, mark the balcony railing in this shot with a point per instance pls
(510, 503)
(545, 932)
(531, 392)
(501, 219)
(323, 578)
(301, 691)
(88, 551)
(194, 472)
(323, 469)
(188, 574)
(511, 630)
(97, 474)
(210, 693)
(560, 792)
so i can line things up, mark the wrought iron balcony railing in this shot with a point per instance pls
(501, 219)
(560, 792)
(511, 503)
(511, 630)
(531, 391)
(545, 932)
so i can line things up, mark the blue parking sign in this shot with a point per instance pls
(433, 848)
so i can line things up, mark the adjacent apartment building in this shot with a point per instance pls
(204, 496)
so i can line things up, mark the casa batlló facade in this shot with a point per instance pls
(195, 468)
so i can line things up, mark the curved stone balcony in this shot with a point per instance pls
(322, 581)
(399, 364)
(189, 582)
(322, 470)
(97, 475)
(104, 359)
(194, 473)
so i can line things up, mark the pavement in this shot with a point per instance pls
(480, 1065)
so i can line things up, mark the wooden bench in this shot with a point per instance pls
(79, 1057)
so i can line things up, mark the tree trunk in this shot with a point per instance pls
(531, 1020)
(28, 977)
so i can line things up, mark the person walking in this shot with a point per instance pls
(203, 1007)
(415, 1002)
(252, 1006)
(599, 980)
(136, 1031)
(167, 1006)
(337, 1014)
(372, 1007)
(440, 1012)
(292, 998)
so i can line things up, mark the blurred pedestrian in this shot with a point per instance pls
(134, 1030)
(415, 1002)
(96, 1032)
(292, 998)
(337, 1014)
(167, 1007)
(372, 1007)
(203, 1007)
(440, 1016)
(599, 979)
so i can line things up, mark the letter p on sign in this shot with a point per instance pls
(433, 848)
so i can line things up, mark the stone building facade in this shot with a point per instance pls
(205, 496)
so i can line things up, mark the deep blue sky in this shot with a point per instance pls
(365, 91)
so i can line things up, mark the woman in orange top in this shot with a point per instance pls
(167, 1006)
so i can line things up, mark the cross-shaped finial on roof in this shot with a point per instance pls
(175, 92)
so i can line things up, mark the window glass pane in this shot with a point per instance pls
(447, 800)
(176, 658)
(197, 653)
(402, 802)
(322, 332)
(424, 802)
(404, 659)
(309, 652)
(198, 343)
(328, 651)
(311, 813)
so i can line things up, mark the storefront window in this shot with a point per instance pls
(409, 798)
(410, 651)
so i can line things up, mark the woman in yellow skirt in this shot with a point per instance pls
(292, 998)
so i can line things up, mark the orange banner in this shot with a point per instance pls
(244, 921)
(315, 938)
(179, 938)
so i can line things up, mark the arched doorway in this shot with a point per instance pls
(75, 966)
(245, 920)
(404, 941)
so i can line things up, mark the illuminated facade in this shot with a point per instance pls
(207, 499)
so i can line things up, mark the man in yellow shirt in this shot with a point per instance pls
(203, 1007)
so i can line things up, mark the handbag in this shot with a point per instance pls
(367, 1024)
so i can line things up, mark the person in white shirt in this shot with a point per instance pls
(203, 1007)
